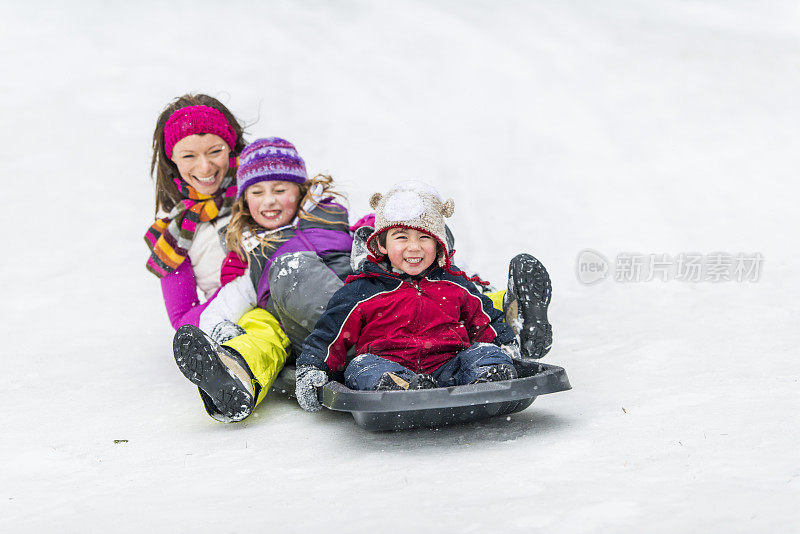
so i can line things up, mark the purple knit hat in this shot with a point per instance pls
(196, 120)
(270, 159)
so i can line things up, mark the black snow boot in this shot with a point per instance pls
(391, 382)
(422, 381)
(525, 305)
(496, 373)
(226, 384)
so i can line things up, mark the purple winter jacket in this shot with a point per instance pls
(328, 236)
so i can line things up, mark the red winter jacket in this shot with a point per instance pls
(420, 323)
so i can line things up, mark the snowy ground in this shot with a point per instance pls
(624, 127)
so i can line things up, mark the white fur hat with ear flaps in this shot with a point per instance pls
(414, 205)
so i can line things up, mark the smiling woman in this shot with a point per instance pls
(194, 146)
(190, 117)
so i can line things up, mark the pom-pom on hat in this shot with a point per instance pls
(414, 205)
(198, 120)
(270, 159)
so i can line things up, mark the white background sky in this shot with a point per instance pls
(639, 127)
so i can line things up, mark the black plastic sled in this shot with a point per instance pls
(398, 410)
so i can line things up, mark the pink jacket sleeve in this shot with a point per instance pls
(366, 220)
(180, 296)
(232, 268)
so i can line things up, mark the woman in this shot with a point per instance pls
(195, 144)
(194, 152)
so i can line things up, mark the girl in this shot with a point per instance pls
(297, 244)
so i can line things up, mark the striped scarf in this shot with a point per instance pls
(169, 238)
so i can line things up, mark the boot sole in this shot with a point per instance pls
(535, 290)
(199, 362)
(500, 373)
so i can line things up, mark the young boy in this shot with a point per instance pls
(414, 321)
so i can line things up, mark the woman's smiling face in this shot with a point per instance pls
(202, 161)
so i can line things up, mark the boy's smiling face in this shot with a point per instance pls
(410, 251)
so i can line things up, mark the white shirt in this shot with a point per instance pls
(207, 255)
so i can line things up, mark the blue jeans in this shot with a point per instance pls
(365, 371)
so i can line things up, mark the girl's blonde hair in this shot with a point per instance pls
(242, 221)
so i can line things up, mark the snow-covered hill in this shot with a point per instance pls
(621, 127)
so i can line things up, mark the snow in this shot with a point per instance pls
(416, 185)
(617, 127)
(403, 206)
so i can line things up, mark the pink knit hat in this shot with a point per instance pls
(195, 120)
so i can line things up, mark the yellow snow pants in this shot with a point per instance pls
(497, 299)
(263, 347)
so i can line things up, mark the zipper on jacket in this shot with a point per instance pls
(415, 285)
